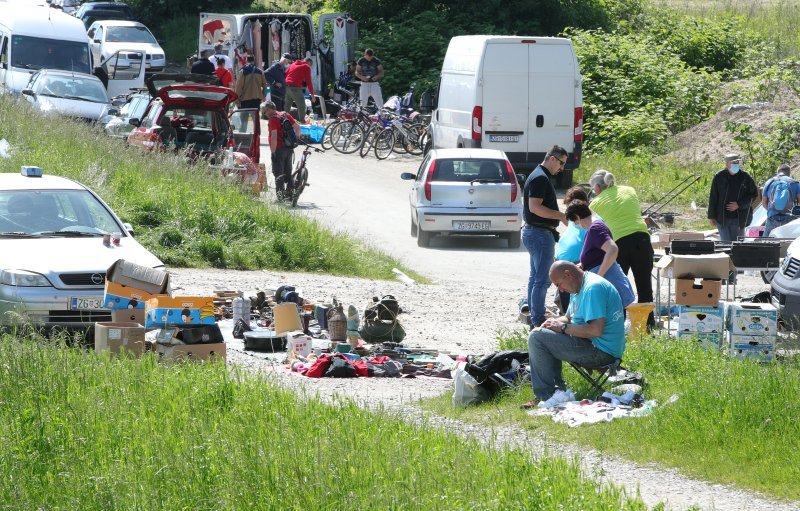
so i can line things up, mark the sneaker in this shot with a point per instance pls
(530, 404)
(560, 396)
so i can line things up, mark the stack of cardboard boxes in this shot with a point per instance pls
(752, 330)
(140, 300)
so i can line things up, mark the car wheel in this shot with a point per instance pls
(514, 239)
(413, 228)
(423, 238)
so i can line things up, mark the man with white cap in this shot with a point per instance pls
(276, 78)
(730, 204)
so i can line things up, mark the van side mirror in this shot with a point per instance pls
(128, 227)
(134, 121)
(28, 92)
(407, 176)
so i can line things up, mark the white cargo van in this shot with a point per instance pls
(269, 35)
(34, 37)
(520, 95)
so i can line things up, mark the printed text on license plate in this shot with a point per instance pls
(471, 226)
(503, 138)
(77, 303)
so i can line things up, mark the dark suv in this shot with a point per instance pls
(90, 12)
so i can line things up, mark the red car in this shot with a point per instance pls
(188, 113)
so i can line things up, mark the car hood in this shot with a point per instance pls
(151, 48)
(71, 107)
(790, 231)
(75, 255)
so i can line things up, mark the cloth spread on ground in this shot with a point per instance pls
(575, 413)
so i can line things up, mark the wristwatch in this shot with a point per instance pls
(564, 328)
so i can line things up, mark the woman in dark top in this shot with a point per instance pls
(599, 253)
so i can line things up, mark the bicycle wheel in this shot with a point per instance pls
(369, 140)
(347, 137)
(326, 136)
(299, 181)
(384, 144)
(416, 144)
(400, 141)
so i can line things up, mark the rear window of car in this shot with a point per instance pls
(468, 170)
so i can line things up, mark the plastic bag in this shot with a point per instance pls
(467, 389)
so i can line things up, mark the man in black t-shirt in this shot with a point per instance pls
(541, 214)
(370, 71)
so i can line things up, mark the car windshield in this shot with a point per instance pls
(41, 53)
(468, 170)
(72, 87)
(129, 35)
(63, 213)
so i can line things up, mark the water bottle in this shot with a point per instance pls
(229, 157)
(241, 310)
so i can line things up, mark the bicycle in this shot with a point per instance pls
(299, 178)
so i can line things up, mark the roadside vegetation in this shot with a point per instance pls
(733, 421)
(87, 432)
(187, 215)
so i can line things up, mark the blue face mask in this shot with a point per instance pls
(734, 168)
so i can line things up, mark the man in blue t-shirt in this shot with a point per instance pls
(777, 218)
(591, 333)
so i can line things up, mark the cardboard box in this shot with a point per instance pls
(129, 315)
(192, 352)
(667, 237)
(701, 318)
(163, 310)
(119, 336)
(701, 266)
(298, 343)
(742, 350)
(752, 319)
(707, 341)
(697, 291)
(129, 285)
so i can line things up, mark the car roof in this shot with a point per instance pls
(16, 181)
(466, 152)
(120, 23)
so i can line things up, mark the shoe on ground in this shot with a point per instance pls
(533, 403)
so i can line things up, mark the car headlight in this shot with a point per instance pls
(23, 278)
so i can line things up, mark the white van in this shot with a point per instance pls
(520, 95)
(269, 35)
(37, 37)
(40, 37)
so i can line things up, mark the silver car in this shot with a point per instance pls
(53, 252)
(465, 191)
(66, 93)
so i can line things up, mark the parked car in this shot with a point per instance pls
(465, 191)
(68, 6)
(53, 256)
(134, 106)
(188, 112)
(90, 12)
(111, 36)
(73, 94)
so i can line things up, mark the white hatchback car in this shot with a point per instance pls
(465, 191)
(108, 37)
(53, 254)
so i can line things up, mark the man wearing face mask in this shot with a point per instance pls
(276, 78)
(732, 194)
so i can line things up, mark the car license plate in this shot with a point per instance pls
(503, 138)
(77, 303)
(470, 226)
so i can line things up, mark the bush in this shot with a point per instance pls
(631, 79)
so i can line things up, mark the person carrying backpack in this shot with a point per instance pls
(284, 136)
(779, 195)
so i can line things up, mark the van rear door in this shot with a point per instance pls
(551, 96)
(505, 95)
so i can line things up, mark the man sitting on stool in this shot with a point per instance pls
(591, 333)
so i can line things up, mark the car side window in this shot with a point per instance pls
(422, 167)
(152, 115)
(98, 33)
(3, 51)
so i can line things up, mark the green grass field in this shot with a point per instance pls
(82, 431)
(734, 421)
(186, 214)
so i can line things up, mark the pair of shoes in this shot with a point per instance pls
(558, 397)
(533, 403)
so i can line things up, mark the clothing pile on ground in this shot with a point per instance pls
(607, 408)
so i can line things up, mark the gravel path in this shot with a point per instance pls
(451, 317)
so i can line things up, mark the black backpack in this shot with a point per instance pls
(288, 137)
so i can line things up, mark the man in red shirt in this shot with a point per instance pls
(297, 76)
(223, 73)
(281, 156)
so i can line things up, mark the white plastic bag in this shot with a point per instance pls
(467, 389)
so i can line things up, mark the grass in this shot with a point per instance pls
(735, 422)
(180, 36)
(187, 215)
(85, 431)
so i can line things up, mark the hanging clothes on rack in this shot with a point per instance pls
(285, 30)
(257, 51)
(339, 47)
(352, 36)
(274, 41)
(247, 37)
(299, 38)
